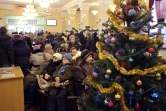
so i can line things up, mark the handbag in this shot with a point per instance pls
(43, 84)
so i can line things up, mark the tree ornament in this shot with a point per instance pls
(119, 52)
(113, 39)
(108, 41)
(155, 96)
(139, 83)
(78, 107)
(147, 54)
(117, 97)
(106, 102)
(118, 13)
(109, 71)
(158, 76)
(107, 76)
(98, 98)
(137, 106)
(131, 93)
(110, 104)
(151, 50)
(105, 36)
(130, 59)
(165, 73)
(95, 75)
(131, 12)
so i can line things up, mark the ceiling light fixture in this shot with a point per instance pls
(94, 12)
(29, 12)
(45, 3)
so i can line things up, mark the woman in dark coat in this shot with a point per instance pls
(6, 49)
(22, 54)
(91, 42)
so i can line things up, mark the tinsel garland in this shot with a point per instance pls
(118, 24)
(130, 72)
(114, 86)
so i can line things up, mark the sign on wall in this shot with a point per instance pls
(21, 21)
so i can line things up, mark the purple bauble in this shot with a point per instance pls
(110, 104)
(95, 75)
(131, 12)
(108, 41)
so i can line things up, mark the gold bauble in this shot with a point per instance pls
(158, 75)
(117, 97)
(165, 73)
(109, 71)
(158, 78)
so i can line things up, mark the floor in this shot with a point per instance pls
(33, 109)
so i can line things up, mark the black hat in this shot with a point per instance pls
(85, 53)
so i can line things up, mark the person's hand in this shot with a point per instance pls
(54, 84)
(31, 72)
(57, 79)
(12, 65)
(47, 76)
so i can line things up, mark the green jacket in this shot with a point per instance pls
(67, 75)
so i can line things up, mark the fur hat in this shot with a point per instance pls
(48, 46)
(68, 56)
(58, 55)
(85, 53)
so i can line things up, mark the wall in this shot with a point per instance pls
(92, 20)
(55, 15)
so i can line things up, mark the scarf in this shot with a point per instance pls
(62, 69)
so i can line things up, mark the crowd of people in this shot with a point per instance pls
(62, 61)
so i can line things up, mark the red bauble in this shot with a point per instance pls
(139, 83)
(151, 50)
(137, 106)
(118, 13)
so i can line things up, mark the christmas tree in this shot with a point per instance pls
(130, 75)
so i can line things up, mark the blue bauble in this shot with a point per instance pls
(108, 41)
(131, 93)
(98, 98)
(155, 96)
(131, 12)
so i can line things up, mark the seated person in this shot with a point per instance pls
(31, 83)
(75, 53)
(58, 94)
(82, 69)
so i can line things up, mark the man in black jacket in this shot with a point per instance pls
(6, 49)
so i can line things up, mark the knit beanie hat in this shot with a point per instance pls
(48, 46)
(85, 53)
(68, 56)
(58, 56)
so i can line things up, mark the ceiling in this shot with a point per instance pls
(10, 4)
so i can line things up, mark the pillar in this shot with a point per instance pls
(64, 21)
(84, 15)
(103, 5)
(71, 18)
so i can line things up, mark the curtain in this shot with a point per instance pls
(151, 2)
(160, 8)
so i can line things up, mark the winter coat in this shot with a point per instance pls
(37, 58)
(76, 45)
(57, 42)
(81, 70)
(51, 67)
(6, 50)
(29, 43)
(67, 75)
(91, 43)
(22, 54)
